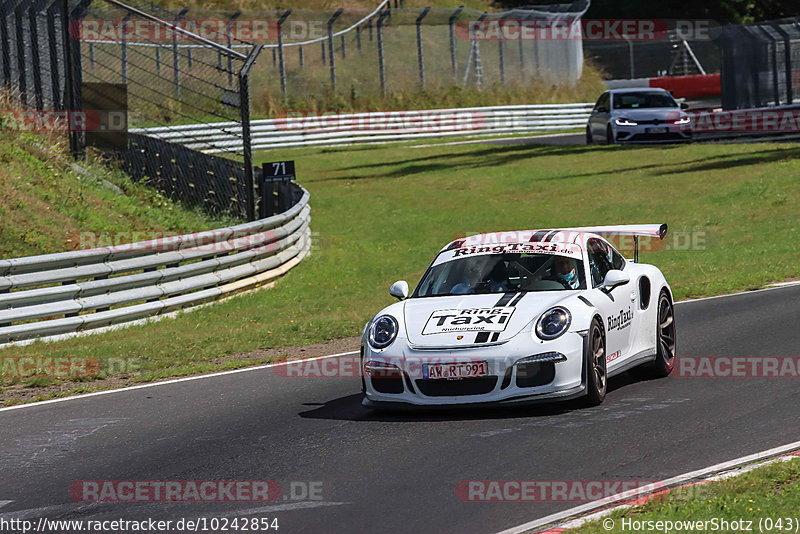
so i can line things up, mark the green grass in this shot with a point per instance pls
(772, 491)
(45, 203)
(379, 214)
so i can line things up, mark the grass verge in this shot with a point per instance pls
(767, 499)
(379, 214)
(48, 203)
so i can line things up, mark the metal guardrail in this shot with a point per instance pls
(70, 292)
(347, 128)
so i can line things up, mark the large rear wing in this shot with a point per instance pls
(635, 230)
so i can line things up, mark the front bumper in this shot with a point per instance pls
(509, 381)
(652, 133)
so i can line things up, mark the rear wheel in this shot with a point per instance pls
(589, 139)
(597, 380)
(665, 342)
(609, 135)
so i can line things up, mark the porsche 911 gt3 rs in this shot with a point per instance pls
(518, 317)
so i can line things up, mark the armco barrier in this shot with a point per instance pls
(346, 128)
(81, 290)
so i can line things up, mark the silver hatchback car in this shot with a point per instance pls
(638, 115)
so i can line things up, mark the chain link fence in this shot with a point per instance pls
(760, 63)
(140, 67)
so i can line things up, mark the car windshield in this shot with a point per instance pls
(643, 100)
(500, 273)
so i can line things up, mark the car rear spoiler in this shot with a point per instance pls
(635, 230)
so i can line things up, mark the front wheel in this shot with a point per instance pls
(609, 135)
(596, 381)
(589, 139)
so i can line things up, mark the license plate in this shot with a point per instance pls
(455, 370)
(655, 130)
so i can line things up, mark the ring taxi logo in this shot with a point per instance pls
(469, 320)
(45, 366)
(620, 321)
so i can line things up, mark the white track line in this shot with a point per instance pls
(267, 366)
(692, 476)
(173, 381)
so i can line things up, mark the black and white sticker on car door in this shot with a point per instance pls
(493, 319)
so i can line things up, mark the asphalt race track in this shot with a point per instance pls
(398, 473)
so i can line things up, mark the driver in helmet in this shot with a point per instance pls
(478, 271)
(563, 270)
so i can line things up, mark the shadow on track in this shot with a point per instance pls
(349, 408)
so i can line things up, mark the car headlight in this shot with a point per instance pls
(683, 120)
(382, 331)
(624, 122)
(553, 323)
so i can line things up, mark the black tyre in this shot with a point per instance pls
(665, 342)
(596, 380)
(589, 139)
(609, 135)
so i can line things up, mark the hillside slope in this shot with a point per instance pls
(47, 200)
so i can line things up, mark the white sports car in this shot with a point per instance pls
(517, 317)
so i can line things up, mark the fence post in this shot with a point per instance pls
(229, 38)
(280, 53)
(420, 56)
(521, 57)
(72, 74)
(302, 59)
(344, 47)
(381, 65)
(176, 61)
(124, 50)
(22, 67)
(358, 38)
(332, 55)
(247, 149)
(501, 57)
(451, 22)
(323, 51)
(5, 52)
(36, 66)
(52, 37)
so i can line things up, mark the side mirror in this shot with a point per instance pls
(613, 279)
(684, 105)
(602, 110)
(399, 289)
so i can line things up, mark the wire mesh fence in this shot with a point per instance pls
(760, 63)
(79, 56)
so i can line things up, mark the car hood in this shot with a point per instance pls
(649, 113)
(475, 319)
